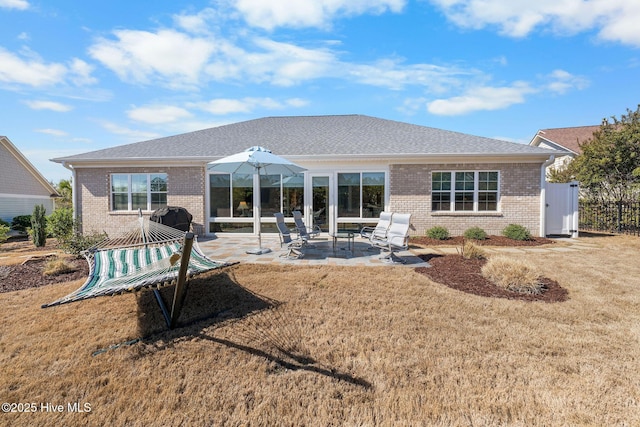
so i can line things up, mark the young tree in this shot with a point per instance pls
(609, 166)
(65, 190)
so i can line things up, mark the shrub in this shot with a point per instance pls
(77, 242)
(516, 232)
(39, 226)
(514, 275)
(3, 222)
(56, 266)
(60, 224)
(475, 233)
(4, 233)
(21, 223)
(438, 233)
(470, 250)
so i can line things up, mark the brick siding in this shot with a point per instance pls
(410, 189)
(185, 188)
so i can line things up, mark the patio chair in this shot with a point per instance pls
(294, 246)
(397, 238)
(304, 232)
(380, 230)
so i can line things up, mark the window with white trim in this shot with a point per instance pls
(133, 191)
(465, 191)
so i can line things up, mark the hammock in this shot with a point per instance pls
(150, 255)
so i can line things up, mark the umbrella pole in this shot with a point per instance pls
(259, 250)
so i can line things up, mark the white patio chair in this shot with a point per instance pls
(397, 238)
(380, 230)
(304, 232)
(294, 246)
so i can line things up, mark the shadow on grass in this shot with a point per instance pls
(259, 325)
(211, 298)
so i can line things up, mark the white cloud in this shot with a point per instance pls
(615, 20)
(14, 4)
(132, 134)
(173, 57)
(309, 13)
(54, 132)
(49, 105)
(222, 106)
(285, 64)
(392, 74)
(80, 72)
(156, 114)
(561, 81)
(29, 71)
(481, 99)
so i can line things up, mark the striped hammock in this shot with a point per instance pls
(150, 258)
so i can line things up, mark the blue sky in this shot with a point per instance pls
(77, 76)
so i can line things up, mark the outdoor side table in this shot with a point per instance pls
(349, 235)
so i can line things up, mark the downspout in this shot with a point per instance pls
(543, 194)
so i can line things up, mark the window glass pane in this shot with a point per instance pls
(441, 201)
(487, 201)
(293, 194)
(348, 194)
(119, 183)
(464, 201)
(120, 201)
(158, 200)
(139, 183)
(159, 182)
(372, 194)
(242, 192)
(270, 194)
(219, 195)
(139, 201)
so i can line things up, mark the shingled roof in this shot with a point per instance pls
(568, 138)
(312, 136)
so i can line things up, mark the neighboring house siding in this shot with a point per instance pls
(185, 188)
(519, 198)
(16, 179)
(560, 162)
(11, 206)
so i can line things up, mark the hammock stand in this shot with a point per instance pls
(151, 256)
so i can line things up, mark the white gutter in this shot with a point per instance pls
(543, 195)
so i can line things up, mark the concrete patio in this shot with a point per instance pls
(230, 247)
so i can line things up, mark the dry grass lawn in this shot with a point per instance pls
(292, 346)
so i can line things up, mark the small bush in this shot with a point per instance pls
(21, 223)
(77, 242)
(4, 233)
(56, 266)
(3, 222)
(438, 233)
(470, 250)
(475, 233)
(39, 226)
(60, 224)
(514, 275)
(516, 232)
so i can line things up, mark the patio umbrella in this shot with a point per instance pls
(256, 161)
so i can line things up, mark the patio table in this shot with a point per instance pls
(349, 235)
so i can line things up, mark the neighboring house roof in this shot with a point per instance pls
(313, 137)
(20, 175)
(568, 139)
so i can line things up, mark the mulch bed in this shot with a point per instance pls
(30, 275)
(464, 275)
(489, 241)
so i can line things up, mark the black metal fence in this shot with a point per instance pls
(611, 217)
